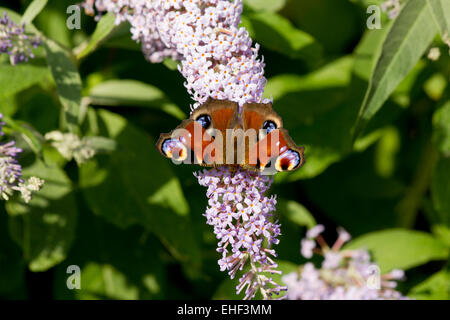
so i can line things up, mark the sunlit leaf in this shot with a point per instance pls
(354, 196)
(68, 82)
(115, 263)
(315, 112)
(171, 64)
(264, 5)
(441, 14)
(296, 213)
(104, 281)
(405, 43)
(333, 23)
(441, 124)
(400, 248)
(134, 185)
(33, 10)
(14, 79)
(277, 33)
(104, 28)
(33, 139)
(440, 190)
(436, 287)
(442, 232)
(52, 23)
(133, 93)
(45, 227)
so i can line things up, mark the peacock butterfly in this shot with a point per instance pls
(217, 134)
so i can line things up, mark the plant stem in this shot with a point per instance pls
(410, 204)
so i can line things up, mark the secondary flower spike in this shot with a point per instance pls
(343, 274)
(11, 173)
(15, 42)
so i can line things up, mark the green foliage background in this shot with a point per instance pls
(372, 111)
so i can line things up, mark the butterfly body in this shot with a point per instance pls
(217, 134)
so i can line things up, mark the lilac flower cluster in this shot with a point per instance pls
(15, 42)
(344, 274)
(392, 7)
(242, 219)
(218, 60)
(11, 173)
(217, 57)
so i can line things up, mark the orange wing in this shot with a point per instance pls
(195, 140)
(187, 143)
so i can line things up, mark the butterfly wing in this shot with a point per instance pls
(203, 138)
(184, 144)
(274, 147)
(194, 140)
(255, 114)
(223, 114)
(278, 151)
(217, 117)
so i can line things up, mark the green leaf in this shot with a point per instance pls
(104, 28)
(442, 233)
(12, 265)
(171, 64)
(68, 82)
(14, 79)
(440, 190)
(17, 18)
(436, 287)
(45, 227)
(101, 144)
(264, 5)
(33, 10)
(120, 38)
(33, 138)
(100, 281)
(315, 111)
(277, 33)
(400, 248)
(435, 86)
(318, 160)
(409, 37)
(441, 14)
(134, 185)
(133, 93)
(295, 212)
(115, 263)
(441, 128)
(13, 15)
(139, 274)
(53, 23)
(339, 195)
(367, 51)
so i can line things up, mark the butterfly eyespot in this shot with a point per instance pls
(269, 126)
(288, 161)
(173, 148)
(204, 120)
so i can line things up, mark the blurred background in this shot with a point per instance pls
(132, 220)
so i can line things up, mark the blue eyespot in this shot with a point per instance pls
(204, 120)
(288, 161)
(269, 126)
(174, 149)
